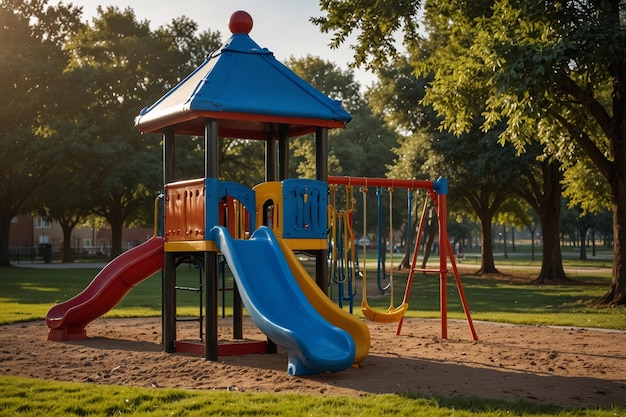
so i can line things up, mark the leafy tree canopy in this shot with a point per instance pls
(553, 70)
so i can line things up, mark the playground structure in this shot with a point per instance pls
(240, 91)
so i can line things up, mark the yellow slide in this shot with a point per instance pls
(356, 327)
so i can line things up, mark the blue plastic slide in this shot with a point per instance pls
(278, 306)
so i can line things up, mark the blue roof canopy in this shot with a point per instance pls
(247, 89)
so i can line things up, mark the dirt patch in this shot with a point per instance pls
(567, 366)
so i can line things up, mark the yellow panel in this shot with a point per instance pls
(306, 244)
(265, 192)
(191, 246)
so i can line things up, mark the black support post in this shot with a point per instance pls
(169, 153)
(211, 265)
(169, 303)
(321, 174)
(168, 275)
(270, 155)
(283, 151)
(211, 272)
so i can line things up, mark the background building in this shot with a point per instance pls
(35, 239)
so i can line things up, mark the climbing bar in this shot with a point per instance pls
(381, 182)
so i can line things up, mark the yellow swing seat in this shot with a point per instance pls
(392, 315)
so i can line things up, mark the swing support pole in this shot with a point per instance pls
(443, 264)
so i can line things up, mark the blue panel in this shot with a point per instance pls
(241, 193)
(211, 204)
(305, 206)
(441, 186)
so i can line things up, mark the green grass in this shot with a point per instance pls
(27, 294)
(522, 256)
(509, 302)
(29, 397)
(509, 298)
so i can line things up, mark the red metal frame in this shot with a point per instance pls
(445, 248)
(382, 182)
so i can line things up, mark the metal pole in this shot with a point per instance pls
(211, 168)
(211, 265)
(169, 153)
(211, 273)
(442, 216)
(270, 155)
(168, 276)
(283, 152)
(169, 303)
(321, 174)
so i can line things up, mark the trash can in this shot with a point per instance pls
(45, 251)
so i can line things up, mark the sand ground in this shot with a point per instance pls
(567, 366)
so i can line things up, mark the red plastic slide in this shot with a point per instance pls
(67, 321)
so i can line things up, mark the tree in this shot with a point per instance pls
(64, 202)
(542, 191)
(400, 92)
(363, 148)
(111, 57)
(412, 153)
(123, 66)
(396, 96)
(584, 187)
(558, 70)
(530, 220)
(557, 66)
(481, 173)
(31, 67)
(242, 161)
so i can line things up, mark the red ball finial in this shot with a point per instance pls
(240, 22)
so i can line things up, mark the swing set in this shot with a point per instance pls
(344, 259)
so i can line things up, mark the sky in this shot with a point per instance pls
(282, 26)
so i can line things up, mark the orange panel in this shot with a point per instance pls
(184, 210)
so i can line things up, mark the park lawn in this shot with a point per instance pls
(44, 398)
(503, 300)
(27, 294)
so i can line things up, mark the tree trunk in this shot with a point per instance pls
(486, 251)
(593, 241)
(4, 241)
(116, 235)
(405, 263)
(532, 242)
(617, 289)
(547, 203)
(67, 243)
(552, 261)
(583, 243)
(430, 239)
(513, 239)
